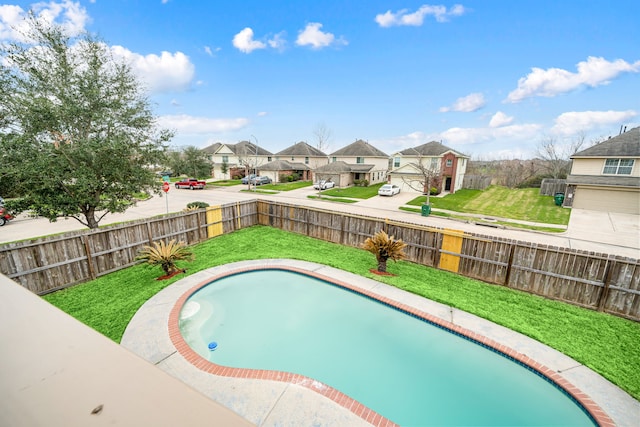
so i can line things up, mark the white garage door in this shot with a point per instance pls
(397, 180)
(607, 200)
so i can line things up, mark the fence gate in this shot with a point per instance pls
(451, 249)
(214, 221)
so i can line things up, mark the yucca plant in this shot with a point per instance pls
(384, 248)
(166, 255)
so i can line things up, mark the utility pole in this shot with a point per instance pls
(255, 165)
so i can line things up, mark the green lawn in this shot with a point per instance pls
(354, 192)
(523, 204)
(225, 182)
(606, 344)
(287, 186)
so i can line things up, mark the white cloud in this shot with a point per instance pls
(467, 104)
(500, 119)
(467, 136)
(262, 113)
(574, 122)
(201, 125)
(463, 139)
(70, 15)
(554, 81)
(317, 39)
(244, 42)
(165, 73)
(278, 41)
(403, 17)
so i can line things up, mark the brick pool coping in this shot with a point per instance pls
(360, 410)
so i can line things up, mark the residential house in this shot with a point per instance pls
(444, 167)
(300, 158)
(606, 177)
(236, 160)
(357, 162)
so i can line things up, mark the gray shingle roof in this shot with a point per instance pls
(211, 149)
(430, 149)
(283, 165)
(343, 167)
(246, 148)
(624, 145)
(359, 148)
(605, 181)
(301, 149)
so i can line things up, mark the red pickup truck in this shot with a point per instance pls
(191, 183)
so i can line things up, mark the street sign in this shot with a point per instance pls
(165, 187)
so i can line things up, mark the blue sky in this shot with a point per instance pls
(489, 78)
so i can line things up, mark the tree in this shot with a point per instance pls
(77, 130)
(166, 255)
(323, 136)
(247, 153)
(384, 248)
(427, 172)
(189, 161)
(224, 167)
(175, 162)
(556, 156)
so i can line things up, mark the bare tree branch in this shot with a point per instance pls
(323, 135)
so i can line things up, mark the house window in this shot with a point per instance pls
(618, 166)
(434, 164)
(225, 159)
(449, 163)
(333, 159)
(306, 160)
(268, 158)
(359, 159)
(293, 159)
(396, 162)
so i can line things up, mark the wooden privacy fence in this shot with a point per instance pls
(597, 281)
(549, 187)
(51, 263)
(603, 282)
(476, 182)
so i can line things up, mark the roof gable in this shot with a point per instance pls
(624, 145)
(359, 148)
(430, 149)
(248, 149)
(211, 149)
(301, 149)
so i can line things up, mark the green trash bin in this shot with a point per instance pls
(559, 198)
(426, 210)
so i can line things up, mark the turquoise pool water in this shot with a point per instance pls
(404, 368)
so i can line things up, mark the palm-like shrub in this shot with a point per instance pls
(384, 248)
(166, 255)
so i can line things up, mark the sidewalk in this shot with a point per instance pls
(601, 232)
(489, 220)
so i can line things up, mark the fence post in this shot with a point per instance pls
(512, 250)
(149, 235)
(607, 282)
(87, 250)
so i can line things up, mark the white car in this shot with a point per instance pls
(324, 184)
(388, 190)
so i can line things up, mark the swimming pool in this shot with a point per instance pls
(404, 368)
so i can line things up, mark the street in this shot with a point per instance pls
(609, 233)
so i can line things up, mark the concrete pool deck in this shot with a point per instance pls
(270, 402)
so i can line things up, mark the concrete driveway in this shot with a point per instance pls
(616, 229)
